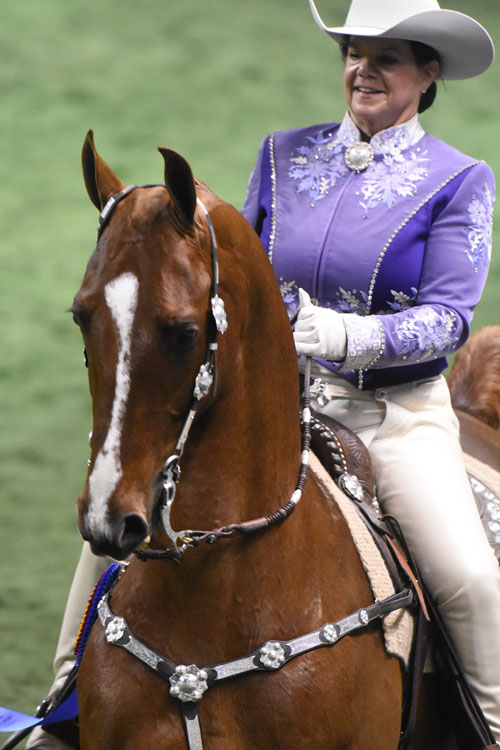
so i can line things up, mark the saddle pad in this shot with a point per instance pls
(397, 625)
(485, 483)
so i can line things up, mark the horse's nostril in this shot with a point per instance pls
(135, 529)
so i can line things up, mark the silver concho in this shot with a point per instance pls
(219, 313)
(272, 655)
(203, 382)
(364, 617)
(329, 633)
(351, 485)
(115, 629)
(359, 156)
(188, 683)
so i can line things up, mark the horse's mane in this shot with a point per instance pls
(474, 380)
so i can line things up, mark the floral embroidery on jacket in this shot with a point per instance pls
(352, 301)
(392, 179)
(480, 229)
(426, 333)
(290, 293)
(317, 165)
(402, 301)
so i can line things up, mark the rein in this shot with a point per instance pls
(206, 383)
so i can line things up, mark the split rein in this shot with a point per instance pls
(205, 384)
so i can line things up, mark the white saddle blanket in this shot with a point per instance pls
(397, 625)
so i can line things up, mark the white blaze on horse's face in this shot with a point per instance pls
(121, 297)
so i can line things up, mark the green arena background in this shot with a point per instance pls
(208, 78)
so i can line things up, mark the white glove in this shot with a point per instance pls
(319, 332)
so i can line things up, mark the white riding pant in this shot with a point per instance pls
(412, 435)
(88, 571)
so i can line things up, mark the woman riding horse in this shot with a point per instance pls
(389, 229)
(421, 261)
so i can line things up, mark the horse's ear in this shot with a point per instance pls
(180, 184)
(100, 180)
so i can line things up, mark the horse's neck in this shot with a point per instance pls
(244, 460)
(479, 440)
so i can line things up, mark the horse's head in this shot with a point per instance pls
(144, 309)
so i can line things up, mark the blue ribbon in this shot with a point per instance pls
(12, 721)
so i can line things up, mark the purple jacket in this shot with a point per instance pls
(402, 248)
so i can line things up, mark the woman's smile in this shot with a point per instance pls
(383, 82)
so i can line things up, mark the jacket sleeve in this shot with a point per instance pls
(254, 208)
(457, 256)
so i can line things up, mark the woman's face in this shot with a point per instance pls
(383, 82)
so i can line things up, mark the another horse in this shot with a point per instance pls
(474, 382)
(144, 312)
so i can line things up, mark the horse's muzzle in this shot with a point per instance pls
(118, 539)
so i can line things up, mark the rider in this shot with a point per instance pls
(389, 230)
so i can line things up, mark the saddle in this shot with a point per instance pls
(347, 460)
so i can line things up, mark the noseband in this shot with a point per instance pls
(205, 384)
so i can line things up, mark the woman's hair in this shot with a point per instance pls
(423, 54)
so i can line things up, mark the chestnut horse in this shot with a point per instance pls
(474, 383)
(144, 312)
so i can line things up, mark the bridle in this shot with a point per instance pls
(205, 384)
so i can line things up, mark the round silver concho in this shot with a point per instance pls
(330, 632)
(115, 629)
(188, 683)
(272, 655)
(359, 156)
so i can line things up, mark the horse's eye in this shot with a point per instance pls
(186, 336)
(82, 319)
(180, 336)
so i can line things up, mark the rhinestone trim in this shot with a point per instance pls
(402, 226)
(272, 235)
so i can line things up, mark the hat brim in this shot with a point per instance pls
(465, 47)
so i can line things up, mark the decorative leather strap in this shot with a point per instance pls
(192, 726)
(189, 683)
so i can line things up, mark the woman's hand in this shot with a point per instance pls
(319, 332)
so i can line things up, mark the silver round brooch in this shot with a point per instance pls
(359, 156)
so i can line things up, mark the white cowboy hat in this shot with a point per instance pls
(465, 47)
